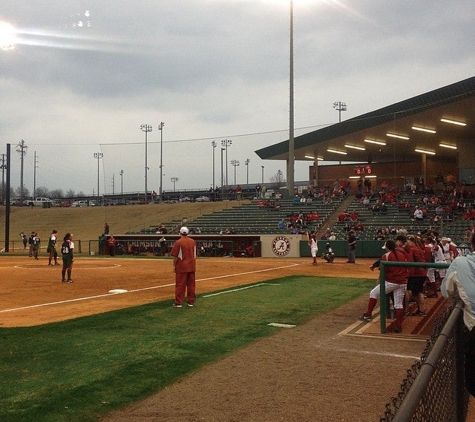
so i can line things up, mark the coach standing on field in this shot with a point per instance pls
(184, 265)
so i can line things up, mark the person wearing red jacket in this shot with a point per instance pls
(184, 254)
(396, 279)
(415, 252)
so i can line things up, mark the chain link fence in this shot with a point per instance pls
(434, 387)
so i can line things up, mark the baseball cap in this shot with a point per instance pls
(184, 230)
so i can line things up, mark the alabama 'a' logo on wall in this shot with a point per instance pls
(281, 246)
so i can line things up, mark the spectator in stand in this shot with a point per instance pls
(379, 234)
(359, 186)
(282, 225)
(395, 282)
(449, 180)
(418, 214)
(326, 234)
(238, 192)
(332, 236)
(366, 201)
(359, 227)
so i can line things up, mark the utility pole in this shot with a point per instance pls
(113, 184)
(35, 166)
(121, 174)
(3, 166)
(21, 149)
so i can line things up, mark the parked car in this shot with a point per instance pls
(76, 204)
(202, 199)
(185, 199)
(38, 202)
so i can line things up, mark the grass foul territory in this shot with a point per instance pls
(81, 369)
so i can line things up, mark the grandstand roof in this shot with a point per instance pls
(453, 102)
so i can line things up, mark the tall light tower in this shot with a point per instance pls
(339, 106)
(213, 144)
(262, 178)
(291, 158)
(146, 129)
(225, 143)
(121, 174)
(235, 163)
(98, 156)
(247, 170)
(222, 170)
(160, 128)
(174, 180)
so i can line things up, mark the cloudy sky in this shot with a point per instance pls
(85, 75)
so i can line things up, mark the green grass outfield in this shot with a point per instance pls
(81, 369)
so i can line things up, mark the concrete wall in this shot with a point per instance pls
(281, 246)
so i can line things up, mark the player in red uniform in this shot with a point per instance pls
(396, 279)
(184, 263)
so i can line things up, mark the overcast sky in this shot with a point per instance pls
(85, 75)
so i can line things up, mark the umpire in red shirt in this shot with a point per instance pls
(184, 264)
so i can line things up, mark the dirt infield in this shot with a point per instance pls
(32, 292)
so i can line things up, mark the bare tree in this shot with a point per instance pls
(278, 180)
(19, 191)
(42, 191)
(57, 194)
(70, 193)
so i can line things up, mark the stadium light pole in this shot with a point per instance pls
(247, 170)
(98, 156)
(213, 145)
(291, 158)
(146, 129)
(160, 128)
(174, 180)
(222, 170)
(225, 143)
(235, 163)
(339, 106)
(262, 182)
(121, 174)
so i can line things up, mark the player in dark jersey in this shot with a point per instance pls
(67, 249)
(51, 249)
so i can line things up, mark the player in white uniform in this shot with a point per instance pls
(312, 242)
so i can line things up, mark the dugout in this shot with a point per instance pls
(237, 245)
